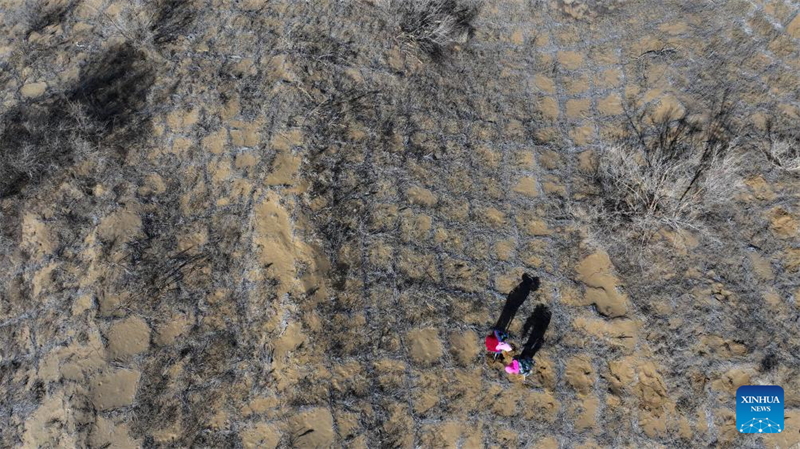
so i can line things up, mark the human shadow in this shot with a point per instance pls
(514, 301)
(537, 323)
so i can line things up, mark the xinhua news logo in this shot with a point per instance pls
(759, 409)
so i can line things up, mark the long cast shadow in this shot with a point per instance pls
(515, 300)
(537, 324)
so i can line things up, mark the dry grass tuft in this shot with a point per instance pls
(672, 173)
(783, 147)
(435, 26)
(40, 14)
(785, 154)
(39, 140)
(106, 106)
(173, 19)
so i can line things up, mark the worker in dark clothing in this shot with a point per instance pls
(537, 324)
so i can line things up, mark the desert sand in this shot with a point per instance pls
(262, 224)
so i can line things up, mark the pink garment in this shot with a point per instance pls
(513, 368)
(503, 347)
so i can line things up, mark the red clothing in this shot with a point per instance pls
(491, 342)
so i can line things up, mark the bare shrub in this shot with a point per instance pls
(435, 26)
(652, 190)
(40, 14)
(786, 155)
(782, 147)
(173, 18)
(672, 173)
(114, 89)
(107, 105)
(153, 24)
(37, 140)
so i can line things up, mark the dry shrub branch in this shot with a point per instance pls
(782, 147)
(435, 26)
(672, 172)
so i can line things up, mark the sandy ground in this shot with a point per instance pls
(297, 228)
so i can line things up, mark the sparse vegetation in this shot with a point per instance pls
(37, 139)
(289, 224)
(785, 154)
(435, 26)
(782, 147)
(172, 20)
(672, 172)
(40, 14)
